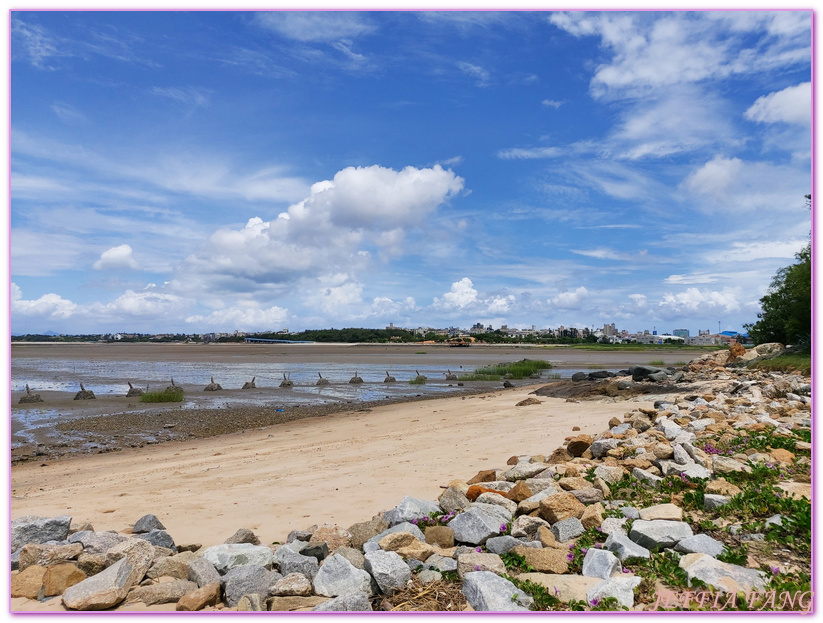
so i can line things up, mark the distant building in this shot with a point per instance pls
(681, 333)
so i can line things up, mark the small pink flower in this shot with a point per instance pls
(478, 549)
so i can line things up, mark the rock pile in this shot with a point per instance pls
(250, 384)
(498, 534)
(212, 386)
(84, 394)
(30, 397)
(133, 392)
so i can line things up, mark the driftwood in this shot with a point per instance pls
(133, 391)
(84, 394)
(286, 382)
(321, 380)
(29, 397)
(250, 384)
(355, 379)
(389, 378)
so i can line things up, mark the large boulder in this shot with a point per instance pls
(476, 525)
(337, 576)
(227, 556)
(290, 561)
(35, 529)
(163, 592)
(560, 506)
(659, 533)
(388, 570)
(410, 508)
(723, 576)
(350, 602)
(488, 592)
(246, 580)
(97, 542)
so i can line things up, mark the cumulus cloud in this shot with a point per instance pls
(116, 257)
(47, 307)
(570, 299)
(791, 105)
(150, 302)
(463, 297)
(329, 227)
(694, 301)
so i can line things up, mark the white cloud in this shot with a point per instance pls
(749, 251)
(475, 71)
(696, 301)
(117, 257)
(47, 307)
(528, 153)
(640, 300)
(149, 302)
(791, 105)
(190, 96)
(716, 176)
(604, 253)
(27, 257)
(462, 294)
(552, 104)
(38, 44)
(694, 278)
(249, 318)
(67, 113)
(316, 26)
(570, 299)
(651, 51)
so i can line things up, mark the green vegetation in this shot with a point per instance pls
(418, 380)
(170, 394)
(787, 362)
(787, 307)
(657, 362)
(516, 370)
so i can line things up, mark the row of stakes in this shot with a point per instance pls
(87, 394)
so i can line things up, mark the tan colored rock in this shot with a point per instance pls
(334, 536)
(547, 538)
(565, 587)
(291, 604)
(497, 499)
(407, 545)
(208, 595)
(630, 464)
(546, 560)
(561, 455)
(782, 456)
(723, 487)
(162, 592)
(476, 561)
(176, 566)
(593, 516)
(294, 584)
(513, 460)
(579, 444)
(668, 512)
(44, 555)
(28, 583)
(601, 484)
(519, 492)
(663, 450)
(59, 577)
(574, 484)
(442, 536)
(529, 401)
(485, 475)
(560, 506)
(91, 564)
(614, 422)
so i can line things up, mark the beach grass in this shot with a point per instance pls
(515, 370)
(792, 362)
(657, 362)
(166, 395)
(418, 380)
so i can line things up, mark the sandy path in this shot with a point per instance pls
(341, 469)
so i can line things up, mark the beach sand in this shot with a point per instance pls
(343, 468)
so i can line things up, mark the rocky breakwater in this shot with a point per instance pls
(700, 495)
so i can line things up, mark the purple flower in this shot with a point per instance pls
(556, 591)
(477, 567)
(478, 549)
(598, 529)
(584, 551)
(570, 556)
(626, 570)
(414, 521)
(594, 602)
(774, 570)
(598, 546)
(571, 545)
(502, 527)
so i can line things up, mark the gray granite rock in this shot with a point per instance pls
(600, 563)
(243, 535)
(624, 548)
(441, 563)
(410, 508)
(253, 602)
(714, 500)
(488, 592)
(227, 556)
(659, 533)
(526, 526)
(567, 529)
(158, 538)
(350, 602)
(680, 455)
(35, 529)
(476, 525)
(700, 544)
(316, 549)
(611, 525)
(502, 544)
(247, 579)
(589, 495)
(388, 570)
(354, 556)
(428, 576)
(609, 474)
(647, 478)
(723, 576)
(694, 470)
(337, 576)
(621, 587)
(524, 470)
(97, 542)
(453, 500)
(202, 572)
(147, 523)
(600, 447)
(291, 562)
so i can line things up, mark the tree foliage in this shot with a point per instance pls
(787, 307)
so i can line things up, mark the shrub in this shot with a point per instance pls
(170, 394)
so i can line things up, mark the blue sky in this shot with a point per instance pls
(220, 171)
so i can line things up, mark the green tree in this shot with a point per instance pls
(787, 307)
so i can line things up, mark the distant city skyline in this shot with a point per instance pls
(196, 172)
